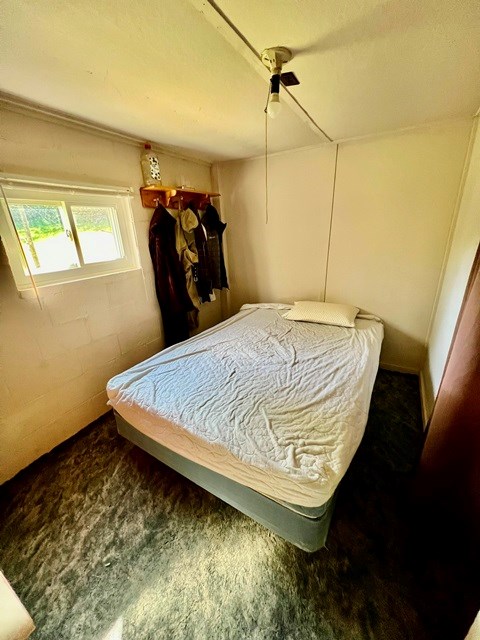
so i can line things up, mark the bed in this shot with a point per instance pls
(264, 412)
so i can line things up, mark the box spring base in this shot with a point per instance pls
(305, 528)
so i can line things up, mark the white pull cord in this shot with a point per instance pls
(266, 157)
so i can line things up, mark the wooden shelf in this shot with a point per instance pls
(174, 197)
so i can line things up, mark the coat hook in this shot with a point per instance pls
(204, 201)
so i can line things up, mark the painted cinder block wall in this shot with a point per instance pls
(55, 362)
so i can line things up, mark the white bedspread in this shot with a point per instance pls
(277, 405)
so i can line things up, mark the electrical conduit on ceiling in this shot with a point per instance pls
(245, 40)
(260, 57)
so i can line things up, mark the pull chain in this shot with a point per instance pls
(266, 157)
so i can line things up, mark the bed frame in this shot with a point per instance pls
(304, 527)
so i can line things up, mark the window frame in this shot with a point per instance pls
(75, 196)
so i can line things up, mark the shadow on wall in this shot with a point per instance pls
(412, 351)
(9, 292)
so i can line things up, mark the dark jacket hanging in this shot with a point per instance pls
(215, 228)
(170, 283)
(204, 280)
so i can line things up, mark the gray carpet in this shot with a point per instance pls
(97, 532)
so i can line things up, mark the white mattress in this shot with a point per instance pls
(277, 405)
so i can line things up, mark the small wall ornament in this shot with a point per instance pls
(150, 167)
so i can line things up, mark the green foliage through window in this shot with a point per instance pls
(43, 220)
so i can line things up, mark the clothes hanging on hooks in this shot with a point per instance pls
(188, 262)
(187, 252)
(176, 200)
(215, 228)
(170, 281)
(204, 279)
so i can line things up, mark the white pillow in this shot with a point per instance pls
(341, 315)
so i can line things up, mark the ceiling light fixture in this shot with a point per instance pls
(274, 58)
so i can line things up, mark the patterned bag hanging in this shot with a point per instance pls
(150, 167)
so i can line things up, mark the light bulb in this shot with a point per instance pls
(274, 105)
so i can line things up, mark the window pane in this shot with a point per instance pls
(97, 233)
(45, 236)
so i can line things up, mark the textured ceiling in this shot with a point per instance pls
(367, 66)
(158, 70)
(173, 72)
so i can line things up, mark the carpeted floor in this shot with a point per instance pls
(97, 534)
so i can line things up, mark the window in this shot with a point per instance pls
(66, 234)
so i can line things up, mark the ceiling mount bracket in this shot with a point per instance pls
(275, 57)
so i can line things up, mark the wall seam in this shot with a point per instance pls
(397, 367)
(327, 260)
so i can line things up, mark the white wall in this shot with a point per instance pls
(394, 200)
(55, 363)
(474, 632)
(465, 241)
(285, 258)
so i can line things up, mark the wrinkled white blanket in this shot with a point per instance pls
(277, 405)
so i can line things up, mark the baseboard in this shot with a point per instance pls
(425, 404)
(400, 369)
(424, 400)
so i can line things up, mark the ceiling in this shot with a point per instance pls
(175, 72)
(367, 66)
